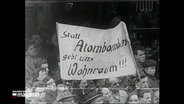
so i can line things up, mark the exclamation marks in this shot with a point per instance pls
(122, 63)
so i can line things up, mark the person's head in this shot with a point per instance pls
(144, 95)
(43, 68)
(155, 44)
(156, 97)
(139, 53)
(135, 42)
(51, 85)
(100, 83)
(107, 97)
(114, 83)
(126, 82)
(45, 64)
(61, 87)
(133, 98)
(66, 97)
(123, 96)
(150, 67)
(91, 84)
(43, 72)
(41, 91)
(93, 96)
(37, 39)
(83, 83)
(144, 82)
(31, 49)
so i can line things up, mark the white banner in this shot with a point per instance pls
(89, 53)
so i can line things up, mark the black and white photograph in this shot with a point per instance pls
(91, 52)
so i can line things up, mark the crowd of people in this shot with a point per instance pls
(45, 86)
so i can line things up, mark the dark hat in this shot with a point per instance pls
(64, 94)
(92, 95)
(149, 63)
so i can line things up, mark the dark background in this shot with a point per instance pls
(141, 18)
(21, 19)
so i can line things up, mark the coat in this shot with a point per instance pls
(152, 82)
